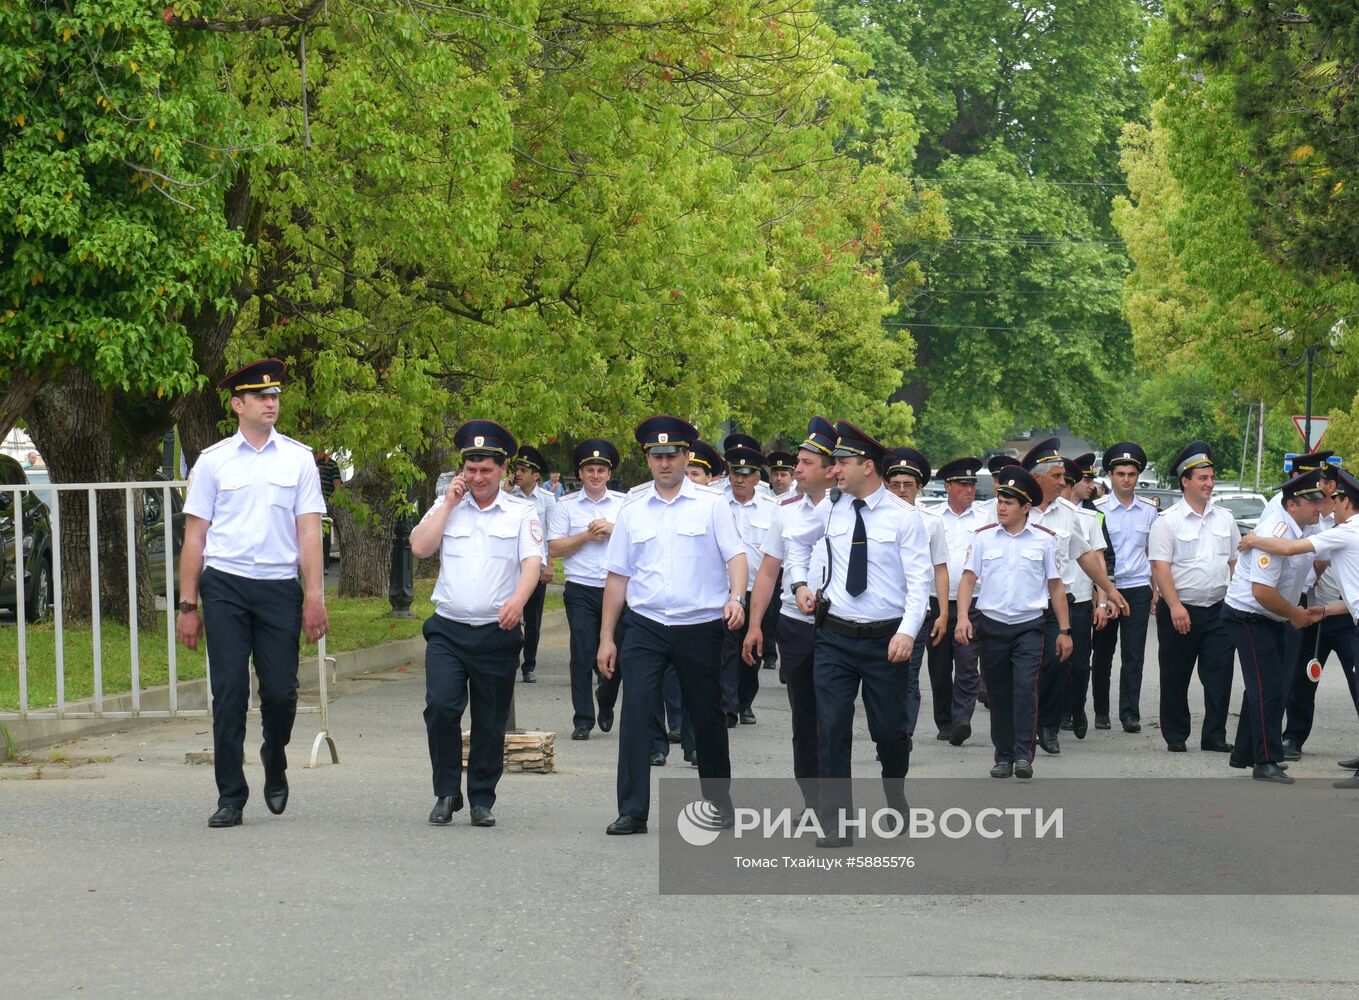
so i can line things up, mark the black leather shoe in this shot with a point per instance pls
(580, 733)
(1047, 739)
(960, 733)
(1176, 747)
(1291, 750)
(1239, 762)
(693, 758)
(672, 736)
(1351, 782)
(1080, 725)
(444, 808)
(1023, 769)
(605, 719)
(225, 816)
(658, 759)
(747, 718)
(690, 756)
(731, 721)
(276, 792)
(944, 734)
(1102, 722)
(481, 816)
(530, 677)
(1215, 746)
(1131, 726)
(770, 663)
(1349, 765)
(1067, 723)
(984, 697)
(626, 825)
(1271, 772)
(1002, 769)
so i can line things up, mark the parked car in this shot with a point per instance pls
(1245, 507)
(1163, 499)
(33, 556)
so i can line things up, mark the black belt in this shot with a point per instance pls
(862, 630)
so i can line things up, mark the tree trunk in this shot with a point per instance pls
(365, 521)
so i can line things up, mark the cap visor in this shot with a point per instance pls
(663, 449)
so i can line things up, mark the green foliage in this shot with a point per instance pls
(115, 141)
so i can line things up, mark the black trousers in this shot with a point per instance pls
(695, 650)
(769, 624)
(1132, 634)
(1010, 656)
(533, 626)
(584, 609)
(954, 679)
(922, 641)
(841, 666)
(468, 664)
(1211, 647)
(245, 618)
(740, 683)
(1259, 643)
(1054, 677)
(797, 646)
(1338, 636)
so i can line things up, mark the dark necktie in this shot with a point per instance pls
(856, 577)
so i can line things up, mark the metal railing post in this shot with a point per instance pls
(96, 629)
(132, 608)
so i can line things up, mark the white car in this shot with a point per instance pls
(1246, 508)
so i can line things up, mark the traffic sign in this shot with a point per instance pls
(1318, 430)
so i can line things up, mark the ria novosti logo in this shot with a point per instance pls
(699, 823)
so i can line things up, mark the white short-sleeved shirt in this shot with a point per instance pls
(1082, 588)
(1013, 571)
(753, 521)
(675, 553)
(572, 515)
(789, 515)
(543, 501)
(958, 531)
(1062, 519)
(1286, 574)
(900, 569)
(252, 500)
(480, 555)
(1199, 549)
(1129, 530)
(1341, 546)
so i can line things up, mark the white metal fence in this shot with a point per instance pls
(135, 495)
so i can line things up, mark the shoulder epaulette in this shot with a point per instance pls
(792, 499)
(1103, 501)
(1145, 501)
(708, 489)
(214, 447)
(899, 501)
(284, 437)
(988, 527)
(638, 488)
(611, 493)
(519, 499)
(1043, 528)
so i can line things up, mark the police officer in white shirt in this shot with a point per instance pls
(1129, 519)
(1263, 596)
(878, 589)
(781, 468)
(908, 470)
(753, 510)
(955, 680)
(1074, 554)
(1193, 553)
(530, 468)
(814, 472)
(1012, 568)
(490, 546)
(253, 516)
(1099, 611)
(676, 558)
(578, 533)
(1339, 545)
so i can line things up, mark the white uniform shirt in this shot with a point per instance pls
(1129, 530)
(1199, 549)
(1341, 546)
(1013, 571)
(675, 553)
(1072, 541)
(900, 570)
(753, 520)
(934, 527)
(1286, 574)
(252, 500)
(791, 516)
(480, 555)
(1082, 588)
(571, 515)
(543, 501)
(958, 532)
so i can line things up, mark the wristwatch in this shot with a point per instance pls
(1064, 631)
(186, 606)
(794, 588)
(743, 600)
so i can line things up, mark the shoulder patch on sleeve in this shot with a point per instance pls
(790, 500)
(988, 527)
(1042, 527)
(1263, 561)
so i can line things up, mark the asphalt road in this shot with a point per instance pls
(114, 886)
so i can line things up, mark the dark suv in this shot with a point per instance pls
(34, 556)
